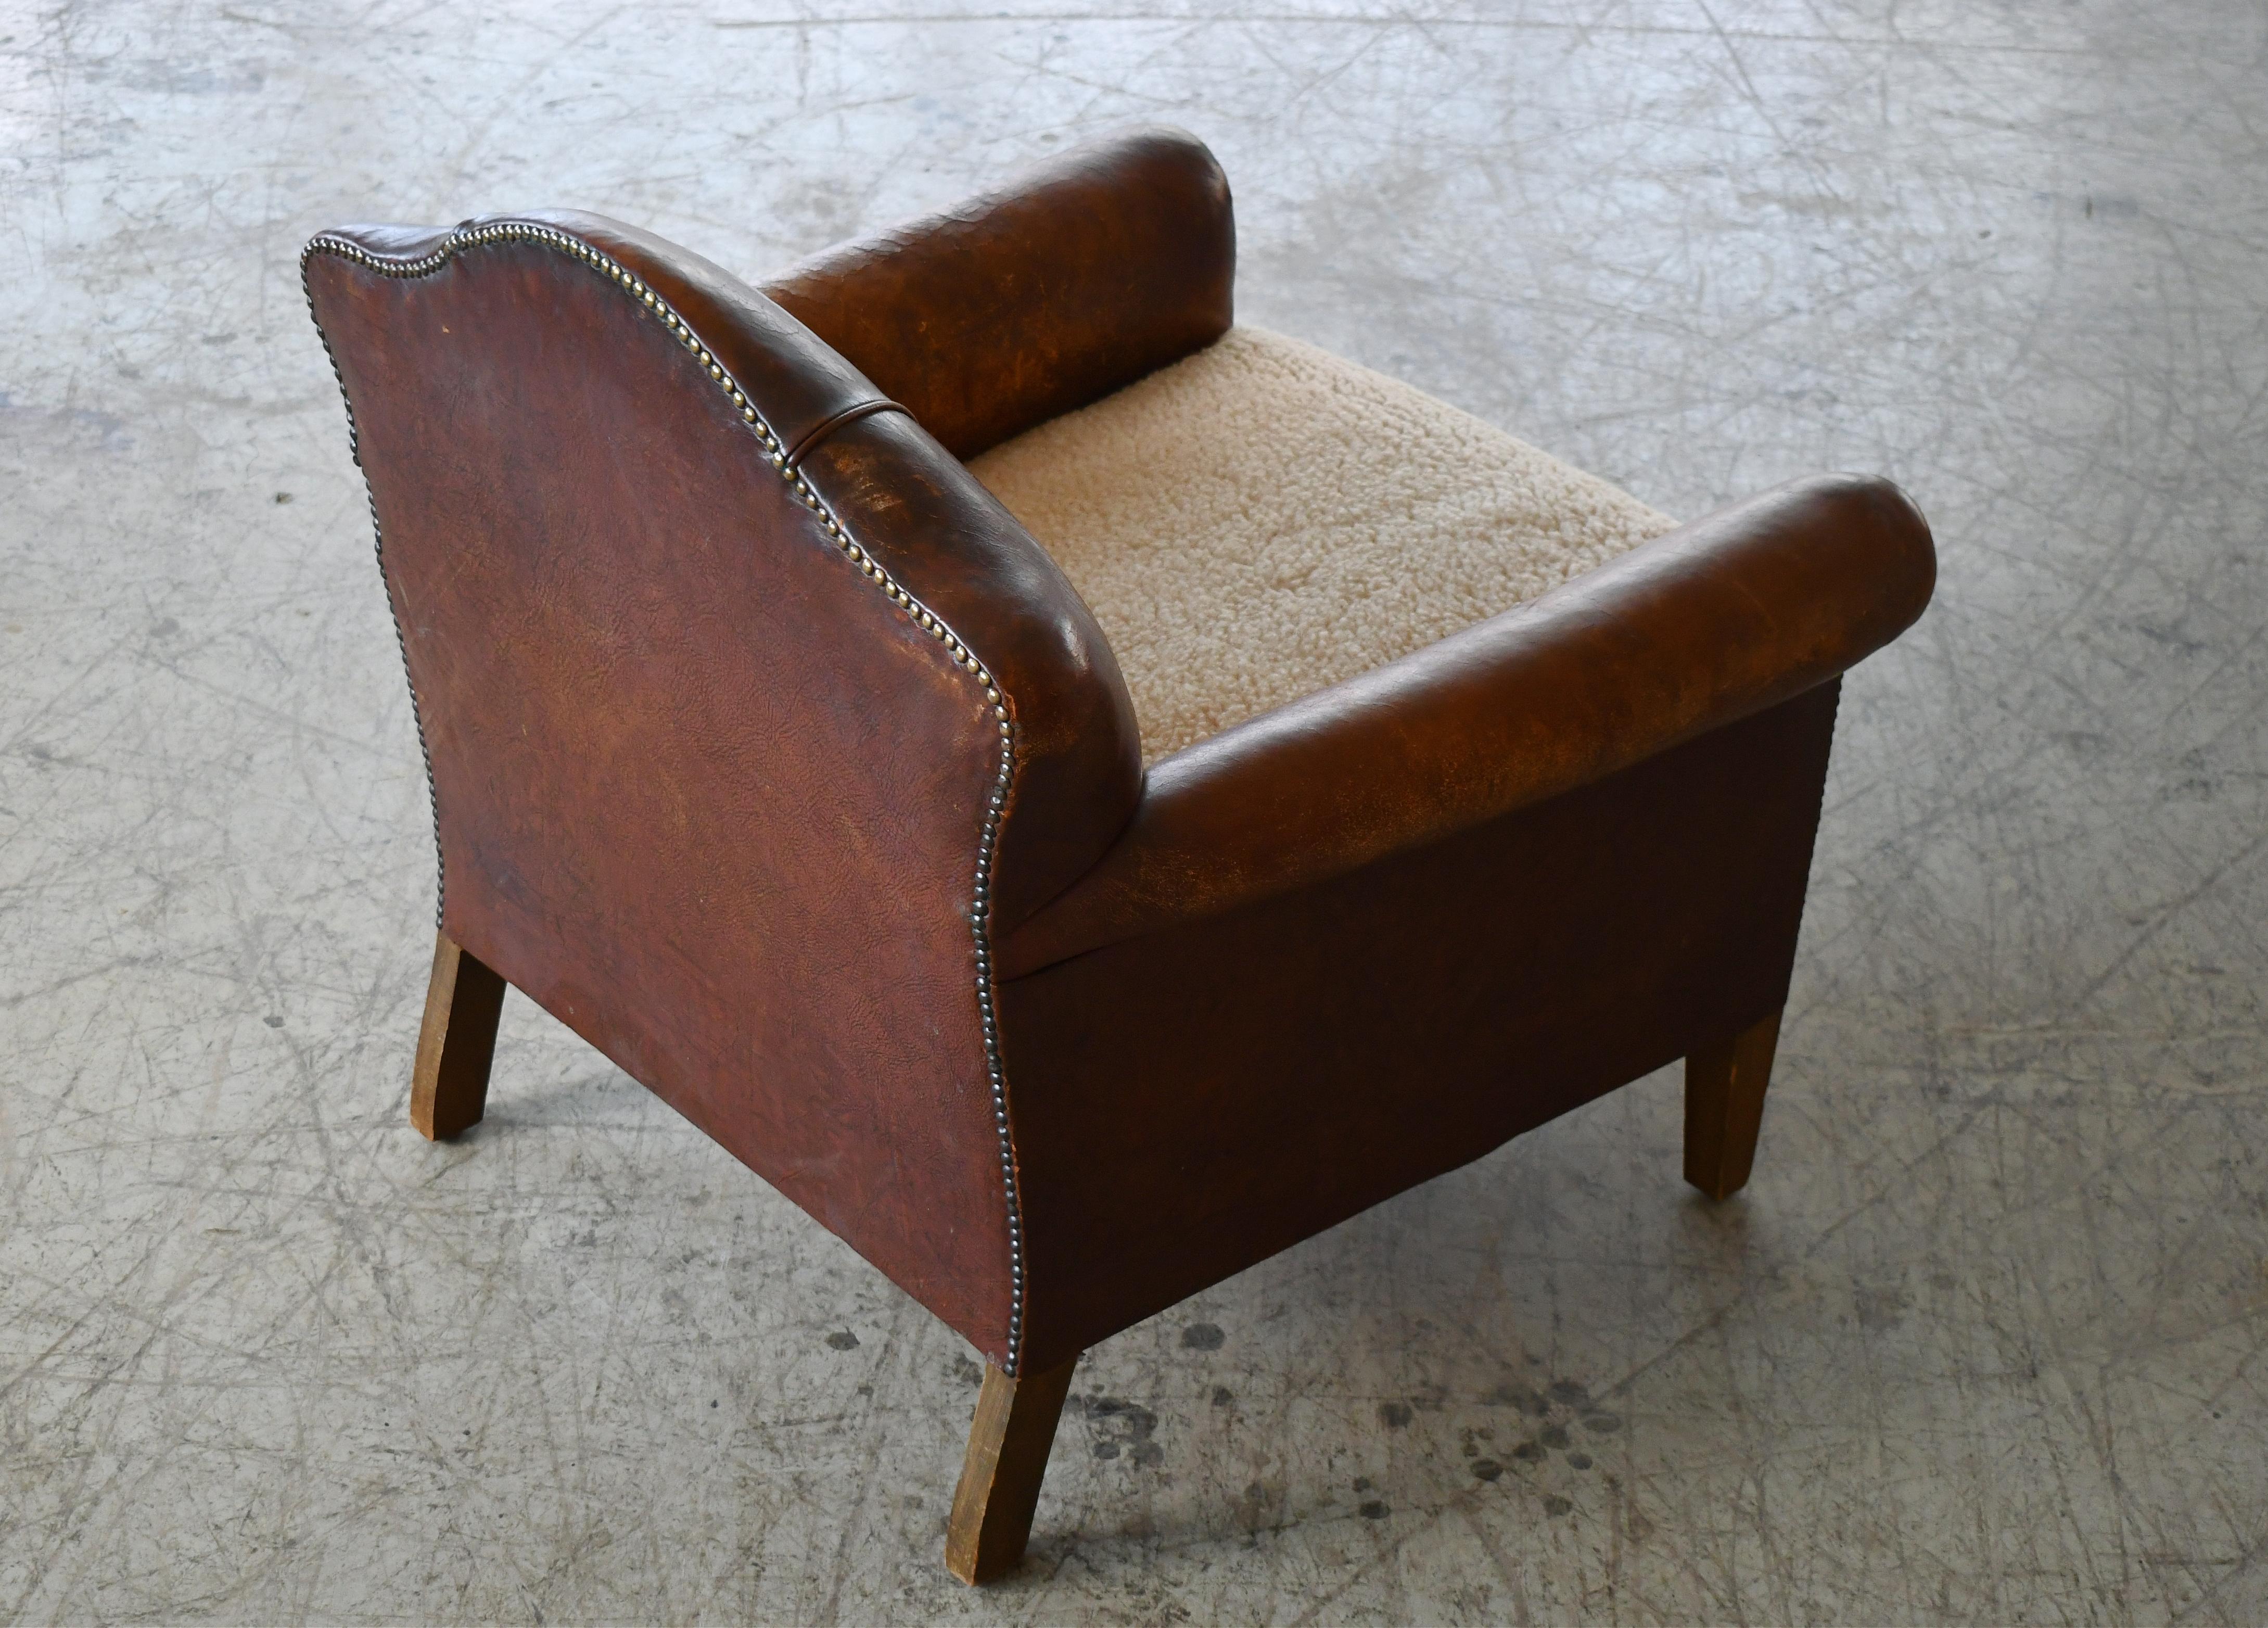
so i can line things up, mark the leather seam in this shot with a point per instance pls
(826, 427)
(655, 304)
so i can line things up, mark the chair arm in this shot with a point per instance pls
(1015, 307)
(1705, 625)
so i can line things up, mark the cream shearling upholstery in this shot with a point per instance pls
(1262, 519)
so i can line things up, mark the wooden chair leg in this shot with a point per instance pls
(1000, 1479)
(449, 1090)
(1724, 1108)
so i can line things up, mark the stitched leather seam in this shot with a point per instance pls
(826, 427)
(782, 460)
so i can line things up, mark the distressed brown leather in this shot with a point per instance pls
(1685, 633)
(711, 798)
(702, 791)
(1190, 1101)
(1079, 750)
(1011, 308)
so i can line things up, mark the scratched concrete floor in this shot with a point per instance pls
(1984, 1341)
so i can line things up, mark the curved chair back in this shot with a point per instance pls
(747, 710)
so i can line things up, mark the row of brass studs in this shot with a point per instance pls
(980, 912)
(401, 643)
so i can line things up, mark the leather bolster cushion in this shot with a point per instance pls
(1716, 620)
(1090, 270)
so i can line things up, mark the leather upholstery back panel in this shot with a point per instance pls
(1078, 749)
(1191, 1102)
(703, 791)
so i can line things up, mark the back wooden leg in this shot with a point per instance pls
(1000, 1479)
(450, 1088)
(1725, 1107)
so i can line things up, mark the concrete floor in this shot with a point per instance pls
(1984, 1341)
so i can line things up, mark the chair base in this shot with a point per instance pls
(1014, 1428)
(1725, 1107)
(449, 1088)
(1008, 1444)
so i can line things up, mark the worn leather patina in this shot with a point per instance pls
(714, 800)
(1022, 305)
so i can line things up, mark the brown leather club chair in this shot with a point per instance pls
(1344, 788)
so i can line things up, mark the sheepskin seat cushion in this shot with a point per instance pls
(1262, 519)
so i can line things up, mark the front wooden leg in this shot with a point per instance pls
(1000, 1479)
(449, 1089)
(1725, 1107)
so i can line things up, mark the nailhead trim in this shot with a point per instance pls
(776, 453)
(378, 552)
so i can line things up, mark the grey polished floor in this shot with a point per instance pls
(1983, 1342)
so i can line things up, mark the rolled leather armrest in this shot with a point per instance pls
(1701, 627)
(1106, 263)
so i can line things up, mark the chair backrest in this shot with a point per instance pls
(747, 710)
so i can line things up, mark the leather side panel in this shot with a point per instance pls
(1719, 619)
(1191, 1102)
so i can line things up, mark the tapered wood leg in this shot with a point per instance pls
(1000, 1479)
(450, 1088)
(1724, 1108)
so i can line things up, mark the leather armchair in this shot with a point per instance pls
(771, 753)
